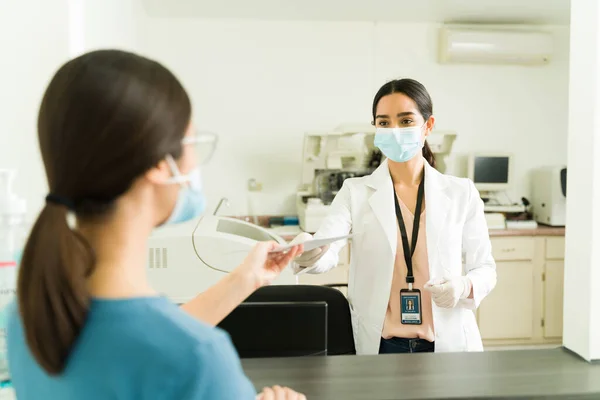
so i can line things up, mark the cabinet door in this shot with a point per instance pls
(553, 299)
(507, 312)
(555, 248)
(513, 248)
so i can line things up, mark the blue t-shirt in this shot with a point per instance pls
(141, 348)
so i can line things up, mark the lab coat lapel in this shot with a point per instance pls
(382, 203)
(437, 206)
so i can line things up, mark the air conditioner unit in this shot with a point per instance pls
(494, 46)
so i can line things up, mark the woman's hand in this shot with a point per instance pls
(261, 267)
(447, 292)
(279, 393)
(309, 258)
(258, 269)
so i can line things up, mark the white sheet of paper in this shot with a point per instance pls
(304, 270)
(312, 244)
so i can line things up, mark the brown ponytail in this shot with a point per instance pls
(428, 155)
(52, 294)
(106, 118)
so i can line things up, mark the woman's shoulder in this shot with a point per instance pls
(202, 357)
(454, 183)
(156, 335)
(176, 355)
(458, 183)
(356, 183)
(141, 313)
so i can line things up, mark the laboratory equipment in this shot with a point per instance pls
(440, 143)
(495, 220)
(223, 202)
(549, 195)
(287, 220)
(504, 208)
(490, 172)
(329, 158)
(279, 329)
(521, 224)
(186, 259)
(13, 212)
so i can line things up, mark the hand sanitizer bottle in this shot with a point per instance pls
(12, 236)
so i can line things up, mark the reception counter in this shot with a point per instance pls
(522, 374)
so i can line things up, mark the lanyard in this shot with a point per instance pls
(409, 251)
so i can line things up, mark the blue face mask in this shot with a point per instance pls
(399, 144)
(191, 202)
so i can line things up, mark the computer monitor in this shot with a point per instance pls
(278, 329)
(490, 172)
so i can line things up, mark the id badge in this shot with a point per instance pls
(410, 306)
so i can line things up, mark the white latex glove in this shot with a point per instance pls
(308, 258)
(446, 292)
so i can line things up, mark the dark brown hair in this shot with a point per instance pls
(417, 92)
(106, 118)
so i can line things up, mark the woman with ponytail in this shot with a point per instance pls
(120, 156)
(421, 259)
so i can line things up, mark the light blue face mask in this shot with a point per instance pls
(191, 202)
(399, 144)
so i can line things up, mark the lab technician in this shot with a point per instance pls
(121, 156)
(421, 258)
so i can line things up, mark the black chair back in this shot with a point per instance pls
(278, 329)
(340, 339)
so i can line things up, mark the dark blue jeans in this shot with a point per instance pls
(400, 345)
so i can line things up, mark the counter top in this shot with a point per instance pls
(548, 374)
(539, 231)
(289, 232)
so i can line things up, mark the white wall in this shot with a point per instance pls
(262, 84)
(109, 23)
(581, 332)
(34, 42)
(37, 37)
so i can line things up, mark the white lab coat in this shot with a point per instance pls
(457, 243)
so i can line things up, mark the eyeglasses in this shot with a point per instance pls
(204, 143)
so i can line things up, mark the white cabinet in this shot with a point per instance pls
(513, 248)
(553, 277)
(526, 305)
(553, 298)
(507, 313)
(555, 248)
